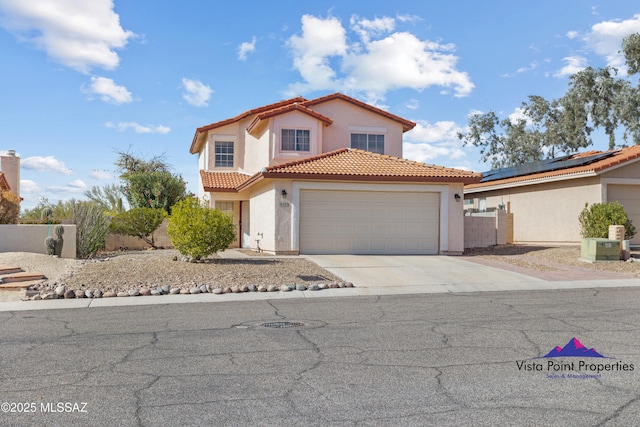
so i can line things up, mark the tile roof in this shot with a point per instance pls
(406, 124)
(344, 164)
(222, 181)
(296, 106)
(617, 157)
(239, 117)
(300, 104)
(360, 163)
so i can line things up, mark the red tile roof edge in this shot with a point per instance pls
(240, 117)
(406, 124)
(238, 177)
(620, 156)
(287, 109)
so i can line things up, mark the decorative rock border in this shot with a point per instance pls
(61, 291)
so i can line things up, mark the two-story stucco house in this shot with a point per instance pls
(327, 176)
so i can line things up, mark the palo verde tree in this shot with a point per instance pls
(149, 183)
(596, 99)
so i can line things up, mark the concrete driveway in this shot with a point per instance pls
(438, 273)
(414, 270)
(408, 274)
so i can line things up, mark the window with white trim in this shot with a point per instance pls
(368, 142)
(295, 140)
(224, 154)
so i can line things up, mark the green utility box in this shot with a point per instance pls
(593, 249)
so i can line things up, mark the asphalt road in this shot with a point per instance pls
(429, 359)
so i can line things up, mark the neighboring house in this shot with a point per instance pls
(10, 172)
(4, 184)
(546, 197)
(326, 176)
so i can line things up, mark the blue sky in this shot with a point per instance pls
(82, 79)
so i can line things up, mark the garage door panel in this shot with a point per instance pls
(361, 222)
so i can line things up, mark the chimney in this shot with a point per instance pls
(10, 166)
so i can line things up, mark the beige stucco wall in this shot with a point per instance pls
(623, 184)
(274, 219)
(161, 239)
(263, 216)
(455, 219)
(295, 120)
(546, 212)
(345, 114)
(30, 238)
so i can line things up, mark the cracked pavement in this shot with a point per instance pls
(427, 359)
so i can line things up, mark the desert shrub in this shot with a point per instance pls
(197, 231)
(596, 219)
(139, 222)
(9, 207)
(91, 227)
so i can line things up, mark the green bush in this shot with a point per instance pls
(596, 219)
(91, 227)
(198, 231)
(139, 222)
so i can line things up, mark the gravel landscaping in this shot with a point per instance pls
(553, 258)
(132, 273)
(163, 271)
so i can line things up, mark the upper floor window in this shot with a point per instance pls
(296, 139)
(368, 142)
(224, 154)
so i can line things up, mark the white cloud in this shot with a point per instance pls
(517, 115)
(572, 34)
(80, 34)
(28, 186)
(45, 164)
(605, 39)
(77, 186)
(366, 28)
(381, 61)
(413, 104)
(574, 64)
(427, 141)
(427, 153)
(321, 39)
(101, 175)
(196, 93)
(532, 66)
(439, 131)
(245, 48)
(122, 126)
(108, 91)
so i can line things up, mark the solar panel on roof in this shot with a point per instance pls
(539, 166)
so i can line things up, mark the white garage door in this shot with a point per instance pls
(629, 197)
(369, 222)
